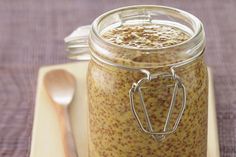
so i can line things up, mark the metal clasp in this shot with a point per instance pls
(136, 88)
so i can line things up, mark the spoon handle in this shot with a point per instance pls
(66, 132)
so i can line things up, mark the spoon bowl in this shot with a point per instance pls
(60, 85)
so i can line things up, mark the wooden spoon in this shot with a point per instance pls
(60, 86)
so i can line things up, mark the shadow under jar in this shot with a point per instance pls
(147, 84)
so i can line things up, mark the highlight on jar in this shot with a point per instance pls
(147, 82)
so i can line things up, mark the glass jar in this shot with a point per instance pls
(146, 101)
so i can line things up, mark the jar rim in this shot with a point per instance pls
(198, 24)
(189, 49)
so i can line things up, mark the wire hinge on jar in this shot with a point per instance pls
(136, 88)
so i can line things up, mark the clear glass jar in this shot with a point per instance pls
(147, 102)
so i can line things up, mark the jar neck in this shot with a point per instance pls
(135, 58)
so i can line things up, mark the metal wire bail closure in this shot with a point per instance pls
(136, 88)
